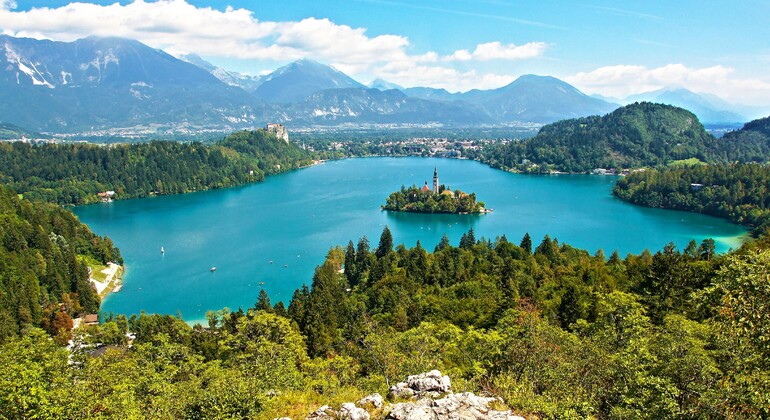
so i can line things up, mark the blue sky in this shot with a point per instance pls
(614, 48)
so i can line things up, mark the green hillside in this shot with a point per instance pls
(14, 132)
(738, 192)
(637, 135)
(76, 173)
(42, 280)
(749, 144)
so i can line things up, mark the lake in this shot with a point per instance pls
(273, 234)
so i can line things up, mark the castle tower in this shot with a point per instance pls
(435, 180)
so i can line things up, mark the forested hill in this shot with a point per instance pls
(552, 330)
(749, 144)
(637, 135)
(76, 173)
(739, 192)
(43, 282)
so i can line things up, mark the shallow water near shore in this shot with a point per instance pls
(273, 234)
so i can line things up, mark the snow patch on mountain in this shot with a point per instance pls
(14, 58)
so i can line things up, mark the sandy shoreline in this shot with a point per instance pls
(109, 283)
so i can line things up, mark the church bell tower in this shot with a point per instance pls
(435, 180)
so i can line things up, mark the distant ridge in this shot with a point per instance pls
(709, 108)
(296, 81)
(98, 85)
(247, 83)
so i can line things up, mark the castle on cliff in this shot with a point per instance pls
(279, 131)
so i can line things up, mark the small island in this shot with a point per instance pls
(439, 199)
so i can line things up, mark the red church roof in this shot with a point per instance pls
(426, 187)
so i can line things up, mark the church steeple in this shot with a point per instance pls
(435, 180)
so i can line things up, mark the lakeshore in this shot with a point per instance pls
(112, 281)
(240, 230)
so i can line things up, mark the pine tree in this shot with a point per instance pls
(468, 240)
(351, 271)
(526, 243)
(386, 243)
(263, 302)
(444, 243)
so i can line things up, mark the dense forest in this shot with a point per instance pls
(419, 200)
(637, 135)
(739, 192)
(555, 331)
(749, 144)
(76, 173)
(43, 279)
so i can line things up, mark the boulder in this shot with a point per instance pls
(417, 385)
(349, 411)
(430, 386)
(323, 413)
(430, 381)
(411, 411)
(373, 400)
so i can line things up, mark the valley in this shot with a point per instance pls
(326, 210)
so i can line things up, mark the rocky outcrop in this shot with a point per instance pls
(464, 405)
(374, 401)
(349, 411)
(323, 413)
(430, 383)
(432, 399)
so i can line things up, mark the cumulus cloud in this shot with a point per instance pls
(624, 80)
(408, 73)
(498, 51)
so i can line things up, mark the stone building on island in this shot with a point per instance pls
(435, 189)
(435, 180)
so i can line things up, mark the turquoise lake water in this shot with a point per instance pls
(294, 218)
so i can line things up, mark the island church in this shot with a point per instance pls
(435, 182)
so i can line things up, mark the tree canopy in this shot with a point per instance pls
(76, 173)
(418, 200)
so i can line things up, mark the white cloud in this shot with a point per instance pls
(624, 80)
(7, 4)
(409, 74)
(498, 51)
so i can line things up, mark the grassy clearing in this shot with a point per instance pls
(686, 162)
(96, 268)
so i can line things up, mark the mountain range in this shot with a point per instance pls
(104, 83)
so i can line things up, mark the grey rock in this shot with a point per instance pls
(323, 413)
(374, 400)
(349, 411)
(411, 411)
(400, 390)
(430, 383)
